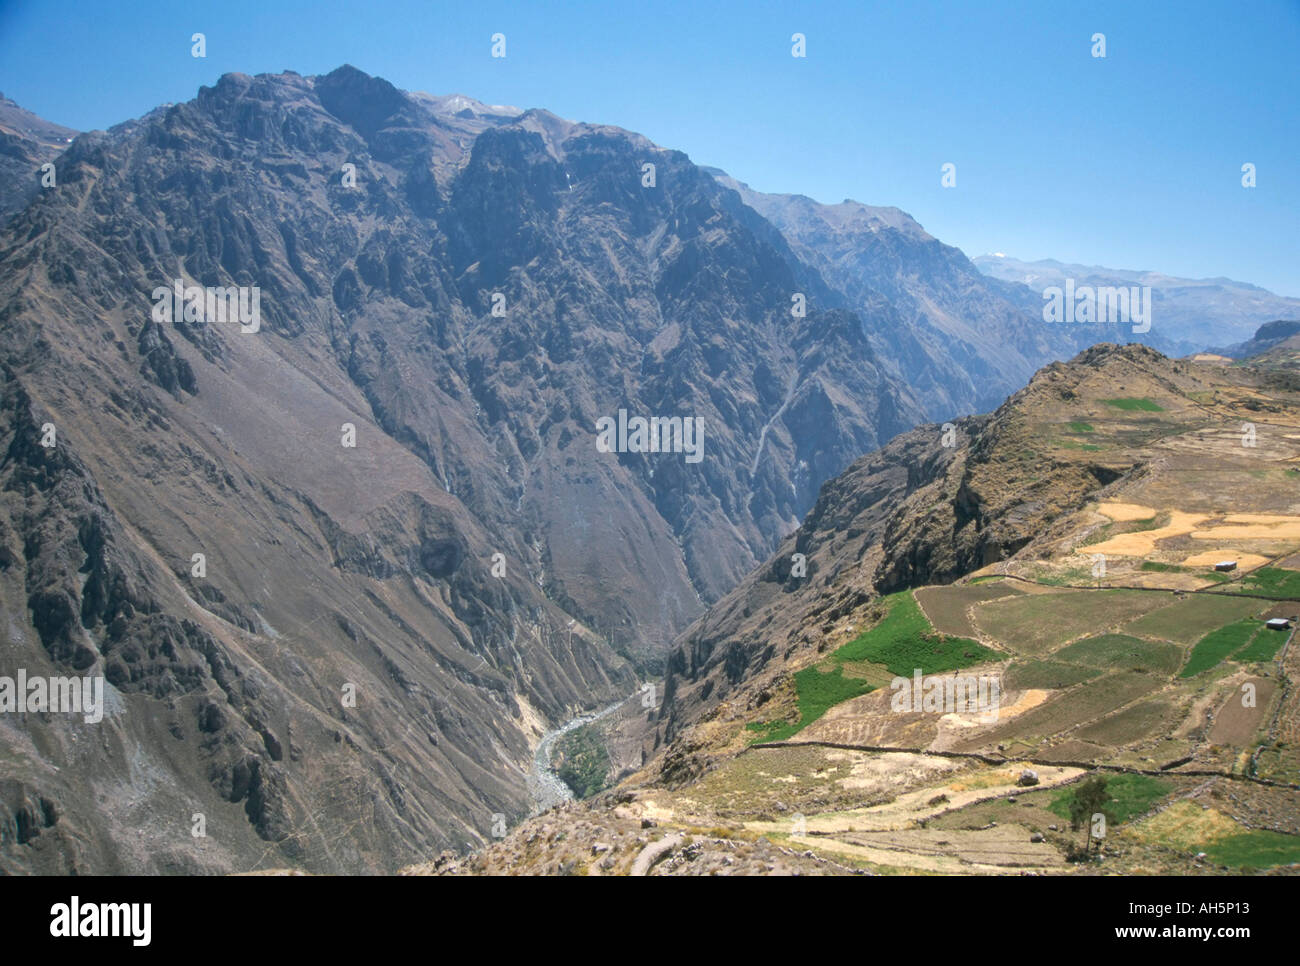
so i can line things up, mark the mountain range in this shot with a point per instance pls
(341, 566)
(1193, 313)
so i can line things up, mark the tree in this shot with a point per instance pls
(1089, 798)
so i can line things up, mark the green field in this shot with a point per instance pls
(1079, 427)
(818, 691)
(1191, 618)
(1154, 566)
(1273, 582)
(904, 641)
(1130, 404)
(1263, 648)
(1122, 652)
(1162, 568)
(1256, 849)
(1051, 675)
(1034, 624)
(1130, 795)
(1217, 645)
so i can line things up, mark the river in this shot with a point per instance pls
(545, 786)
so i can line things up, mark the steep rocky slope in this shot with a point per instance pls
(412, 559)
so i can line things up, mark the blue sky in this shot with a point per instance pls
(1132, 161)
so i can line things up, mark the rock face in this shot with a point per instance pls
(340, 568)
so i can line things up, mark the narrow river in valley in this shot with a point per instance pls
(545, 786)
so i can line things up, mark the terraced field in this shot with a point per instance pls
(1034, 625)
(1148, 684)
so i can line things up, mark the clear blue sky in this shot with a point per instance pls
(1132, 161)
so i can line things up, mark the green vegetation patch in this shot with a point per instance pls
(1127, 796)
(904, 641)
(1034, 624)
(1122, 652)
(1155, 566)
(1273, 582)
(1190, 618)
(1132, 404)
(1255, 849)
(1079, 427)
(1217, 645)
(818, 691)
(1263, 648)
(581, 760)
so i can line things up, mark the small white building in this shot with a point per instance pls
(1277, 624)
(1223, 566)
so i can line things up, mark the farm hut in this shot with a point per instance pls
(1278, 624)
(1223, 566)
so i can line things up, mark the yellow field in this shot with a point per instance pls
(1126, 512)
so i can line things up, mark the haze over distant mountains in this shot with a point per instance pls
(462, 291)
(1194, 313)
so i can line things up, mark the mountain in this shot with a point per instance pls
(1279, 333)
(26, 143)
(321, 414)
(985, 619)
(1192, 314)
(342, 563)
(964, 340)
